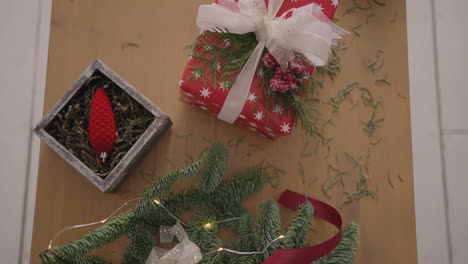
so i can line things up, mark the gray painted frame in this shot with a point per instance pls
(161, 123)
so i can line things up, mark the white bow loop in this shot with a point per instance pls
(185, 252)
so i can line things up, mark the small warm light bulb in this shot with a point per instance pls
(50, 245)
(220, 249)
(208, 225)
(280, 237)
(104, 221)
(156, 201)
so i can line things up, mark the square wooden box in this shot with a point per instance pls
(157, 127)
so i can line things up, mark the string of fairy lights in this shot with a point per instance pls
(210, 225)
(103, 221)
(158, 203)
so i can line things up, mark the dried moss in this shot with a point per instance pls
(70, 126)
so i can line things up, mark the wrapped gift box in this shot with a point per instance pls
(270, 122)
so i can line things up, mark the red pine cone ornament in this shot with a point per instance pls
(102, 128)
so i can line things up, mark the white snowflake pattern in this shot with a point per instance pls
(197, 75)
(205, 92)
(224, 85)
(258, 115)
(200, 102)
(253, 124)
(181, 82)
(260, 72)
(335, 2)
(278, 109)
(189, 94)
(319, 6)
(268, 129)
(187, 100)
(251, 97)
(190, 58)
(204, 107)
(285, 128)
(242, 116)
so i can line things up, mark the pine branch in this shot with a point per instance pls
(299, 227)
(345, 252)
(222, 55)
(140, 246)
(216, 163)
(216, 200)
(267, 227)
(96, 239)
(246, 233)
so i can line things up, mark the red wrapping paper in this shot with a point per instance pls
(271, 123)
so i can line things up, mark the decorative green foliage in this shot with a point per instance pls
(222, 55)
(345, 252)
(246, 233)
(268, 226)
(218, 202)
(140, 246)
(216, 162)
(205, 238)
(298, 229)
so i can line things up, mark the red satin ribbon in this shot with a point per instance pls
(305, 255)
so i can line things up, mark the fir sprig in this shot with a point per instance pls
(222, 55)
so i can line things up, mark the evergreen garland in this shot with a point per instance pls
(216, 199)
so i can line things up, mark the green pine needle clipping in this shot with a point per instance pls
(221, 55)
(216, 199)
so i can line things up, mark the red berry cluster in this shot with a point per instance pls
(287, 80)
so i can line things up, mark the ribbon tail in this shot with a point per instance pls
(305, 255)
(237, 97)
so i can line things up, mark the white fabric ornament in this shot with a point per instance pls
(305, 30)
(185, 252)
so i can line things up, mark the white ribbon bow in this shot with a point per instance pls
(307, 31)
(186, 252)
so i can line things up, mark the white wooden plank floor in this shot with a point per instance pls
(24, 28)
(431, 221)
(437, 36)
(451, 40)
